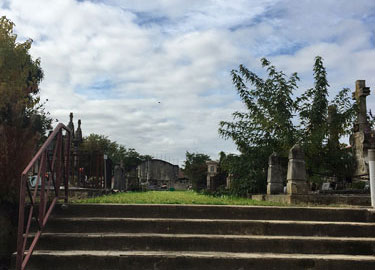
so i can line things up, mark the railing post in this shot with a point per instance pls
(21, 221)
(67, 167)
(61, 161)
(371, 161)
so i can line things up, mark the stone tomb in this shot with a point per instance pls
(274, 178)
(296, 177)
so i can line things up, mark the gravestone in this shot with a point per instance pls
(296, 175)
(229, 180)
(119, 181)
(274, 178)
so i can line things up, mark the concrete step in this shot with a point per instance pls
(196, 242)
(210, 226)
(171, 260)
(217, 212)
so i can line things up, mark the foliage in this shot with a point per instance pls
(23, 121)
(267, 125)
(172, 197)
(95, 143)
(247, 171)
(270, 108)
(195, 169)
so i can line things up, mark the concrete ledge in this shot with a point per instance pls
(317, 199)
(99, 260)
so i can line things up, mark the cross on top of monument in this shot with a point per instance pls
(360, 90)
(360, 94)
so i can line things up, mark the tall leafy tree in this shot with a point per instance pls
(23, 121)
(95, 143)
(313, 115)
(195, 169)
(270, 108)
(267, 125)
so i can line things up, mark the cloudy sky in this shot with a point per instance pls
(154, 75)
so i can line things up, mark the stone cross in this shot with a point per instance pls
(360, 94)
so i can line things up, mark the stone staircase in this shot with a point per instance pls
(158, 237)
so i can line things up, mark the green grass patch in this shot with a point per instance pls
(172, 197)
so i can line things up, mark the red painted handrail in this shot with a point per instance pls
(51, 164)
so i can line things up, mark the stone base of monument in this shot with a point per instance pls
(275, 188)
(297, 187)
(317, 199)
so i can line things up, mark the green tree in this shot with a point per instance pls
(195, 169)
(268, 125)
(313, 116)
(265, 126)
(246, 170)
(270, 107)
(95, 143)
(23, 121)
(23, 124)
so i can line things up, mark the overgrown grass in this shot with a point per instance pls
(172, 197)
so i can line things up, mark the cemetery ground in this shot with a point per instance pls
(173, 197)
(192, 197)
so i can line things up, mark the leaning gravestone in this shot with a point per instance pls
(296, 176)
(274, 178)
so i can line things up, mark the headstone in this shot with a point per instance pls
(229, 180)
(326, 186)
(296, 175)
(274, 178)
(118, 178)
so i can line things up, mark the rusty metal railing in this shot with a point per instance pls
(45, 173)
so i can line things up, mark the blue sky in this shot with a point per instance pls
(155, 75)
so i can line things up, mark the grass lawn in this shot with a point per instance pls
(172, 197)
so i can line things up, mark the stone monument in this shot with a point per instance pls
(71, 126)
(296, 176)
(274, 178)
(211, 172)
(362, 138)
(119, 179)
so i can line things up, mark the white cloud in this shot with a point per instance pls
(155, 75)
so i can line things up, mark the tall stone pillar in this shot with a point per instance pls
(362, 137)
(297, 183)
(211, 172)
(274, 178)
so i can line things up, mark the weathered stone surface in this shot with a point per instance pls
(205, 237)
(296, 175)
(212, 167)
(156, 174)
(274, 178)
(119, 178)
(363, 137)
